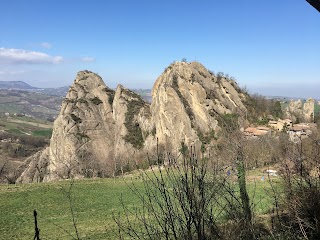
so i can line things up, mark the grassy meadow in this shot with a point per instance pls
(26, 126)
(94, 203)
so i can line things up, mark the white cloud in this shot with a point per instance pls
(16, 56)
(5, 72)
(87, 59)
(46, 45)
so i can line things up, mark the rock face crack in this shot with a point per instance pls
(182, 99)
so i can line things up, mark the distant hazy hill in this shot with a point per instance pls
(60, 91)
(29, 102)
(15, 85)
(144, 93)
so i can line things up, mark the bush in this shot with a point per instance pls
(96, 100)
(111, 94)
(177, 204)
(134, 134)
(75, 118)
(298, 210)
(258, 106)
(184, 200)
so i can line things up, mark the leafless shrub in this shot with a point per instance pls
(176, 204)
(298, 208)
(187, 200)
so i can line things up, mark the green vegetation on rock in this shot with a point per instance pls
(207, 137)
(134, 134)
(96, 100)
(75, 118)
(110, 93)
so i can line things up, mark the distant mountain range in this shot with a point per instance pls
(20, 85)
(60, 91)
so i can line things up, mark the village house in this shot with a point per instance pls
(257, 131)
(299, 131)
(281, 124)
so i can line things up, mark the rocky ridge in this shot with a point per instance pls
(101, 132)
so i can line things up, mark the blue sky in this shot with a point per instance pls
(271, 47)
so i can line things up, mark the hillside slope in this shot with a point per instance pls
(29, 103)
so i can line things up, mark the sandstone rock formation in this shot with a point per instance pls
(100, 131)
(96, 127)
(187, 101)
(299, 112)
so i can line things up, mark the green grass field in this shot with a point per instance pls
(15, 131)
(43, 133)
(25, 125)
(10, 108)
(95, 202)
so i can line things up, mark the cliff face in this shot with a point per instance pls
(297, 111)
(84, 127)
(99, 130)
(187, 101)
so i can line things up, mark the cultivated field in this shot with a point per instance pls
(26, 126)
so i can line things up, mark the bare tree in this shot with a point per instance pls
(234, 144)
(188, 200)
(302, 188)
(177, 202)
(68, 192)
